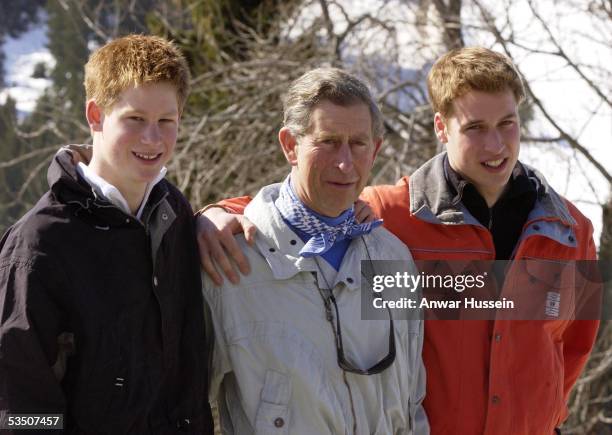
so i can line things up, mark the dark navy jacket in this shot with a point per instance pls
(123, 298)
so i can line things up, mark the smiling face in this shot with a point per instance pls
(482, 137)
(332, 161)
(135, 139)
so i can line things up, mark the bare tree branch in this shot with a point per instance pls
(561, 53)
(572, 141)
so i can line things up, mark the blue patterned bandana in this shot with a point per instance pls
(323, 235)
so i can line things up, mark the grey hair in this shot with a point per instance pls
(326, 84)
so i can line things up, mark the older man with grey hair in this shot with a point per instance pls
(292, 351)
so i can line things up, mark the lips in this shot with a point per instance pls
(147, 157)
(495, 165)
(342, 184)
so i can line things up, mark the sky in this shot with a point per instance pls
(564, 95)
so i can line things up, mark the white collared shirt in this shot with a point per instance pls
(103, 188)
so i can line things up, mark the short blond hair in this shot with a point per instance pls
(471, 69)
(135, 60)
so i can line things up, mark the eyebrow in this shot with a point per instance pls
(326, 135)
(134, 110)
(172, 113)
(480, 121)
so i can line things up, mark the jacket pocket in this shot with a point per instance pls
(273, 411)
(541, 290)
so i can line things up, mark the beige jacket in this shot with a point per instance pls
(275, 368)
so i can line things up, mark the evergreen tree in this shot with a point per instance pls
(57, 118)
(11, 177)
(8, 141)
(68, 39)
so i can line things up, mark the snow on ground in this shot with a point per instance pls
(22, 55)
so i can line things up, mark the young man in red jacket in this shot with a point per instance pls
(476, 201)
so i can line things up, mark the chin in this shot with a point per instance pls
(150, 175)
(333, 210)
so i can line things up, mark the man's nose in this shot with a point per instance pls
(151, 134)
(494, 142)
(344, 157)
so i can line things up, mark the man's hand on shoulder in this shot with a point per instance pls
(363, 212)
(216, 230)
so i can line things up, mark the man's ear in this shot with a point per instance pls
(94, 115)
(288, 143)
(440, 127)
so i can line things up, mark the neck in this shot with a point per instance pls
(133, 194)
(133, 198)
(321, 211)
(491, 197)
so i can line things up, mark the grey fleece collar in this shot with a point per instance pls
(432, 201)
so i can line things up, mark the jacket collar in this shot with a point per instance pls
(280, 246)
(432, 200)
(62, 172)
(520, 185)
(70, 187)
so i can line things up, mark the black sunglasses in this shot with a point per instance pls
(344, 363)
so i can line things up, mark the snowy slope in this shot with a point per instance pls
(22, 55)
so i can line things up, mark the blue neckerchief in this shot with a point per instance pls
(336, 254)
(322, 235)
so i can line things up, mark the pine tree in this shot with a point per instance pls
(68, 39)
(11, 177)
